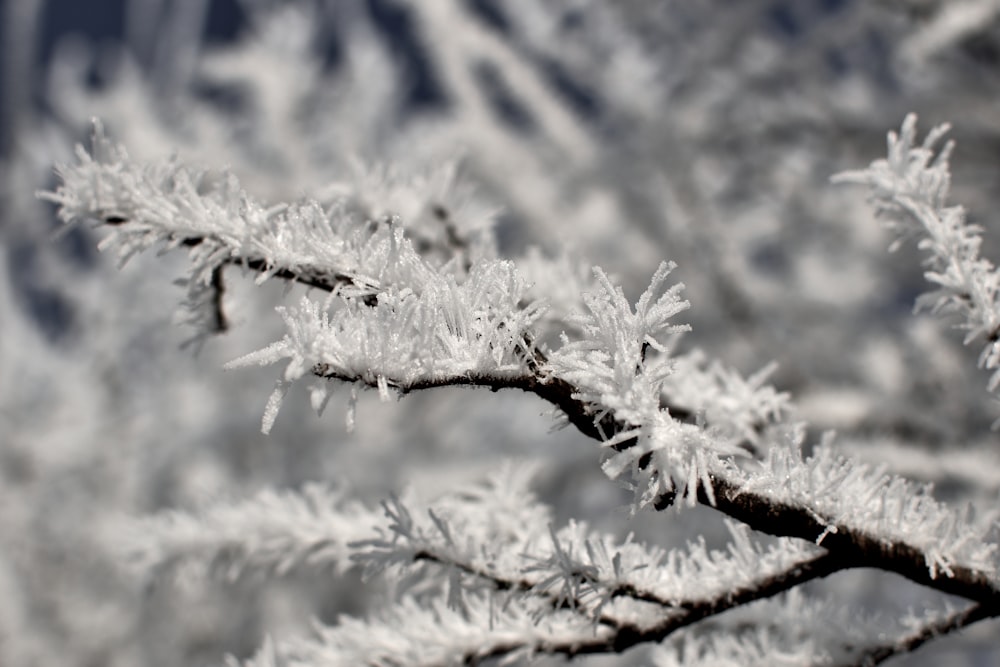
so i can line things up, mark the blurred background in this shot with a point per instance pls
(616, 134)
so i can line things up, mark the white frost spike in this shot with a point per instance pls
(655, 315)
(352, 410)
(319, 396)
(273, 405)
(383, 388)
(608, 363)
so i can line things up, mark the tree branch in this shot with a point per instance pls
(853, 548)
(325, 281)
(681, 614)
(879, 654)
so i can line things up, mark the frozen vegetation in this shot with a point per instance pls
(620, 353)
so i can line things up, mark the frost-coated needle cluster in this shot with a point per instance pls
(407, 339)
(910, 189)
(486, 571)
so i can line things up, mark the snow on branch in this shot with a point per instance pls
(318, 526)
(166, 204)
(909, 190)
(801, 630)
(271, 532)
(583, 592)
(882, 521)
(922, 629)
(575, 565)
(795, 630)
(396, 322)
(482, 531)
(511, 623)
(449, 333)
(425, 633)
(593, 594)
(862, 503)
(879, 521)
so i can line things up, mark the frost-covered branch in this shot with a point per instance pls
(609, 384)
(449, 330)
(353, 247)
(333, 246)
(860, 515)
(422, 633)
(589, 590)
(882, 521)
(271, 532)
(909, 190)
(806, 632)
(925, 630)
(396, 321)
(879, 521)
(578, 567)
(869, 518)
